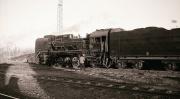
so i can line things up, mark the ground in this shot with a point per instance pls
(33, 81)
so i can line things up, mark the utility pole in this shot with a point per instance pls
(60, 17)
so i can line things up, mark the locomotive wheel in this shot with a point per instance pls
(139, 65)
(121, 65)
(75, 62)
(171, 66)
(168, 66)
(174, 66)
(67, 61)
(93, 65)
(60, 61)
(118, 65)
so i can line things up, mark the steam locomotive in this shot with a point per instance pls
(62, 49)
(150, 47)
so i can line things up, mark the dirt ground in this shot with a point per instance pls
(26, 80)
(153, 80)
(147, 78)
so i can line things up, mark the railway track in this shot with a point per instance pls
(112, 85)
(134, 88)
(5, 96)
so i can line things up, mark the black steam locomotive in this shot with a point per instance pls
(62, 49)
(149, 47)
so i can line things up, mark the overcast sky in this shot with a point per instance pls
(22, 21)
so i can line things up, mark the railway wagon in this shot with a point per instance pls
(149, 47)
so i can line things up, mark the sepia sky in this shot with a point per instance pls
(22, 21)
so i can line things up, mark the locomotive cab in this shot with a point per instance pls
(99, 46)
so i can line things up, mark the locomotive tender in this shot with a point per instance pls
(138, 48)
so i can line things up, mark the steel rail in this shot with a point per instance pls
(7, 96)
(111, 85)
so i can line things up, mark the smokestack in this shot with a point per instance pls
(60, 17)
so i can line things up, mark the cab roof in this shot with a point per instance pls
(104, 32)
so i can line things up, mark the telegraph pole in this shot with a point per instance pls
(60, 17)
